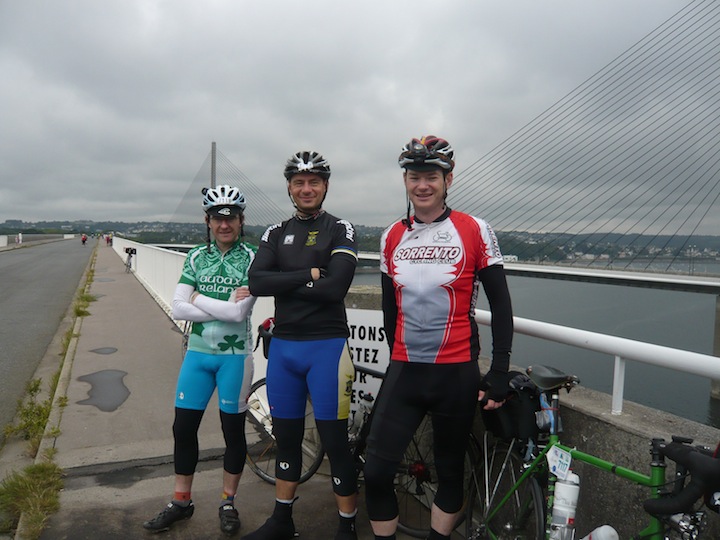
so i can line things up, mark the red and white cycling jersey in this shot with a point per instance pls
(433, 268)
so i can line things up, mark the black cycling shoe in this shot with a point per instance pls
(169, 515)
(346, 535)
(273, 530)
(229, 519)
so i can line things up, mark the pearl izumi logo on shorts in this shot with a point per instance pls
(284, 465)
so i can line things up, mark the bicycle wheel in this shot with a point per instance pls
(261, 446)
(522, 517)
(416, 481)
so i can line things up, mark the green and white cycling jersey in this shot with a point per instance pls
(220, 325)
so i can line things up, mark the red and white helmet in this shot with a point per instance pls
(427, 152)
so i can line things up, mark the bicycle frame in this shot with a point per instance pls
(655, 480)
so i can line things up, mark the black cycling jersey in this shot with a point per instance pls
(306, 309)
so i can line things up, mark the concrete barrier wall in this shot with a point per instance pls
(8, 242)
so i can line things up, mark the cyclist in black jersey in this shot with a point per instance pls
(432, 265)
(307, 263)
(213, 294)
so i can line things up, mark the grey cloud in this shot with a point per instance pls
(111, 106)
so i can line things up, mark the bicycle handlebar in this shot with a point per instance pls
(704, 471)
(369, 371)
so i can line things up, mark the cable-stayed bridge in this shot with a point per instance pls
(630, 157)
(622, 172)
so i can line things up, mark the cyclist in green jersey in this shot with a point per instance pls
(213, 294)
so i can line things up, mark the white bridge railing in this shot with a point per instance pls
(621, 348)
(159, 269)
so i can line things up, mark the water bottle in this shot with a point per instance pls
(604, 532)
(564, 505)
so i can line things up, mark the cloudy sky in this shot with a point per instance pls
(109, 108)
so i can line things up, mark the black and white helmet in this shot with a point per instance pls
(223, 197)
(307, 162)
(426, 153)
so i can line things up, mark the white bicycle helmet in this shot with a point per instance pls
(309, 162)
(223, 197)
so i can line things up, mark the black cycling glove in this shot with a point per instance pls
(495, 384)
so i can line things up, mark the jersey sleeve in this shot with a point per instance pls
(183, 310)
(389, 309)
(495, 286)
(490, 253)
(225, 310)
(187, 276)
(388, 240)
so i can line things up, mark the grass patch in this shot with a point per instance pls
(82, 302)
(32, 416)
(33, 493)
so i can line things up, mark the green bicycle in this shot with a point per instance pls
(513, 492)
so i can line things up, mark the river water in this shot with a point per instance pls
(673, 319)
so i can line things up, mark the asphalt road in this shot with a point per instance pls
(37, 286)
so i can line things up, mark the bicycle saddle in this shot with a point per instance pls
(550, 378)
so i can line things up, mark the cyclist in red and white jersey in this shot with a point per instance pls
(432, 265)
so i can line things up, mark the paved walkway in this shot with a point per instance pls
(116, 439)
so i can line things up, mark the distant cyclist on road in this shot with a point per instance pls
(432, 264)
(307, 263)
(213, 294)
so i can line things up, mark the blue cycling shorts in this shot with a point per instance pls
(201, 373)
(322, 368)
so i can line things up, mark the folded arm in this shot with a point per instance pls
(266, 279)
(191, 306)
(231, 310)
(334, 282)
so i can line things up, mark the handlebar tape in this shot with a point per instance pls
(704, 475)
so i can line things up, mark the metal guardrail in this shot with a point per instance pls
(621, 348)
